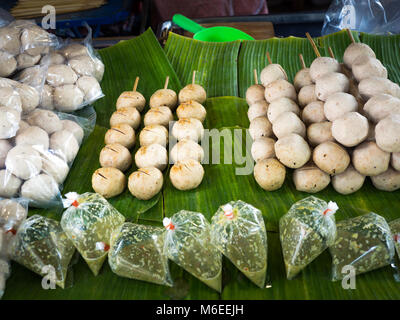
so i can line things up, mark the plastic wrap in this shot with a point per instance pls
(73, 76)
(305, 232)
(395, 228)
(371, 16)
(22, 44)
(137, 253)
(42, 246)
(89, 222)
(188, 244)
(364, 242)
(12, 213)
(238, 231)
(35, 163)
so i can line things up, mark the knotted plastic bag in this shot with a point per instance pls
(12, 213)
(238, 231)
(305, 232)
(137, 252)
(364, 242)
(188, 244)
(4, 260)
(43, 247)
(395, 228)
(89, 223)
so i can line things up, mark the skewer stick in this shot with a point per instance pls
(255, 76)
(136, 84)
(350, 36)
(194, 77)
(269, 58)
(313, 45)
(166, 82)
(331, 53)
(303, 64)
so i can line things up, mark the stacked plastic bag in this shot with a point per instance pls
(43, 247)
(12, 214)
(22, 45)
(238, 231)
(35, 163)
(364, 242)
(89, 223)
(74, 73)
(306, 231)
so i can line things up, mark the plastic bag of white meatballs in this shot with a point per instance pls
(35, 163)
(22, 45)
(73, 77)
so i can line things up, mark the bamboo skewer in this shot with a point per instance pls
(331, 53)
(255, 76)
(313, 45)
(136, 84)
(303, 64)
(166, 82)
(350, 36)
(33, 8)
(269, 58)
(194, 77)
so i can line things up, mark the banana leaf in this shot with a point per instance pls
(144, 57)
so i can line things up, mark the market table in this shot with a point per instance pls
(225, 71)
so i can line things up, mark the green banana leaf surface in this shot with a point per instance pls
(225, 70)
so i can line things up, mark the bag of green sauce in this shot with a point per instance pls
(305, 232)
(137, 253)
(188, 244)
(238, 231)
(395, 228)
(43, 247)
(89, 223)
(364, 242)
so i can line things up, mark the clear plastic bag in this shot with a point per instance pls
(22, 44)
(89, 222)
(35, 163)
(238, 231)
(364, 242)
(395, 228)
(305, 232)
(188, 244)
(137, 253)
(42, 246)
(12, 213)
(370, 16)
(73, 77)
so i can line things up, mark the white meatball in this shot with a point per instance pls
(153, 155)
(338, 104)
(387, 133)
(9, 184)
(63, 143)
(262, 149)
(287, 123)
(188, 129)
(281, 105)
(351, 129)
(24, 162)
(322, 66)
(33, 136)
(293, 151)
(42, 189)
(258, 109)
